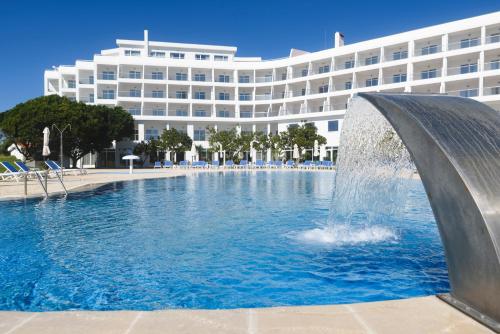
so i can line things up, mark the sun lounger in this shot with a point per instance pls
(54, 167)
(184, 164)
(259, 164)
(215, 164)
(157, 164)
(168, 164)
(278, 163)
(229, 164)
(11, 173)
(243, 164)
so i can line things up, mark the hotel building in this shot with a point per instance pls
(192, 86)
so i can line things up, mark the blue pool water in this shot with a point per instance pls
(208, 241)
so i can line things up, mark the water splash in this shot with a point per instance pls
(371, 182)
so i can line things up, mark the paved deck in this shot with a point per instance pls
(416, 315)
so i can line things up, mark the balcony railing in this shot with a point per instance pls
(261, 97)
(106, 76)
(463, 69)
(129, 93)
(428, 50)
(155, 94)
(150, 76)
(493, 39)
(492, 65)
(86, 81)
(155, 112)
(137, 75)
(394, 79)
(87, 99)
(465, 43)
(264, 79)
(469, 92)
(494, 90)
(428, 75)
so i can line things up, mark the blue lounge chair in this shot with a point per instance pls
(259, 164)
(25, 169)
(168, 164)
(10, 172)
(271, 164)
(215, 164)
(199, 164)
(229, 164)
(243, 164)
(289, 164)
(54, 167)
(157, 164)
(184, 164)
(278, 163)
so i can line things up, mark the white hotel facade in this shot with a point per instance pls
(191, 86)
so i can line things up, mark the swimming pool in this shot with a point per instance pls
(211, 240)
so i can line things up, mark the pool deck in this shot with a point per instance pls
(415, 315)
(98, 177)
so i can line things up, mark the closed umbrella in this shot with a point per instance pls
(296, 153)
(316, 148)
(46, 138)
(131, 158)
(193, 152)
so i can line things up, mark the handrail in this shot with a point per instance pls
(39, 178)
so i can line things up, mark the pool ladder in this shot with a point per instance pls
(43, 182)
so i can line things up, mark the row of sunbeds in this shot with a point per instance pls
(15, 174)
(308, 164)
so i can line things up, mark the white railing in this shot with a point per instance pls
(86, 81)
(264, 79)
(492, 65)
(466, 43)
(466, 69)
(428, 50)
(128, 93)
(469, 92)
(494, 90)
(260, 97)
(493, 39)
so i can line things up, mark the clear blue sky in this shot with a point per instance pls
(35, 35)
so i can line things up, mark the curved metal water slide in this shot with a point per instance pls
(455, 144)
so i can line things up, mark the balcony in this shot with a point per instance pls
(156, 94)
(130, 93)
(394, 79)
(87, 99)
(462, 69)
(429, 74)
(428, 50)
(492, 65)
(464, 43)
(106, 76)
(131, 75)
(224, 97)
(155, 112)
(263, 97)
(107, 95)
(267, 78)
(495, 90)
(86, 81)
(245, 97)
(155, 76)
(224, 79)
(494, 38)
(470, 92)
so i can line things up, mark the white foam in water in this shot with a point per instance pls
(345, 234)
(371, 182)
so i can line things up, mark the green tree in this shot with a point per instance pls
(303, 136)
(244, 142)
(175, 141)
(262, 142)
(147, 150)
(93, 128)
(225, 140)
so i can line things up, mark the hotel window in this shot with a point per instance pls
(399, 55)
(495, 38)
(430, 49)
(199, 95)
(199, 77)
(324, 69)
(91, 97)
(202, 57)
(469, 42)
(132, 53)
(371, 82)
(108, 94)
(71, 84)
(371, 60)
(320, 108)
(181, 94)
(108, 75)
(222, 113)
(136, 134)
(158, 94)
(245, 97)
(158, 54)
(428, 74)
(200, 113)
(134, 74)
(304, 72)
(468, 68)
(223, 96)
(283, 76)
(348, 85)
(323, 89)
(181, 76)
(495, 91)
(151, 134)
(199, 135)
(158, 112)
(91, 80)
(157, 75)
(181, 112)
(244, 79)
(176, 55)
(303, 92)
(220, 58)
(223, 78)
(400, 77)
(333, 126)
(245, 114)
(134, 92)
(135, 111)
